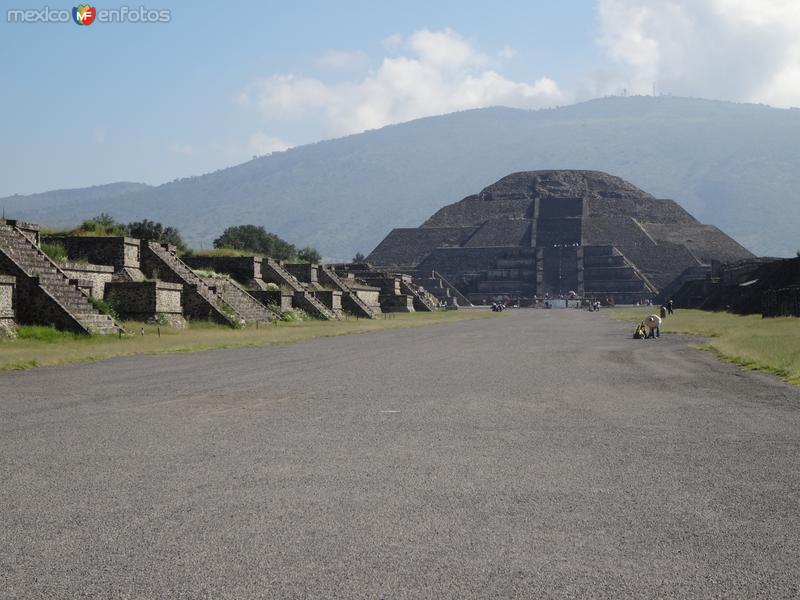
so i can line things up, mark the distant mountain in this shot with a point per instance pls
(736, 166)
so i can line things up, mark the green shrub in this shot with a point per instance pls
(106, 307)
(295, 315)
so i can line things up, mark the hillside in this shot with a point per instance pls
(731, 165)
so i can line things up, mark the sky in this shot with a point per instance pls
(218, 84)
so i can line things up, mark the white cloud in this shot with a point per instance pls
(744, 50)
(341, 59)
(434, 72)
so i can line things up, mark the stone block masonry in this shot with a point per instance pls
(122, 253)
(91, 278)
(7, 306)
(280, 299)
(151, 301)
(244, 269)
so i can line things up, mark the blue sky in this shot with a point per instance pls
(218, 84)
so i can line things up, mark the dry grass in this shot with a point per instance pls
(43, 347)
(771, 345)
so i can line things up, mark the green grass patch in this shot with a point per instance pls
(46, 346)
(770, 345)
(55, 251)
(45, 333)
(224, 252)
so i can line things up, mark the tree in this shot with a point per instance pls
(156, 232)
(256, 239)
(309, 254)
(359, 258)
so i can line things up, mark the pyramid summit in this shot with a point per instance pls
(537, 233)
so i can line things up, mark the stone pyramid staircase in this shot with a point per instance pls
(161, 261)
(350, 300)
(240, 300)
(51, 298)
(272, 270)
(422, 300)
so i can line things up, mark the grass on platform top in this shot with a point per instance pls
(771, 345)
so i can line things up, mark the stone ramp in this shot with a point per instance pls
(240, 300)
(199, 300)
(350, 300)
(304, 299)
(48, 289)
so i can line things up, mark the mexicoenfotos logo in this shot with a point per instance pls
(83, 14)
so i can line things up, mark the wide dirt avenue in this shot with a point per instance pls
(533, 454)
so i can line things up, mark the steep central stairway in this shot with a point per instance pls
(160, 261)
(51, 296)
(273, 271)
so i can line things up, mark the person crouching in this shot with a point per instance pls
(653, 324)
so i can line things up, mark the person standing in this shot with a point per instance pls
(670, 309)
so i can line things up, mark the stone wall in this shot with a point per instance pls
(119, 252)
(7, 306)
(244, 269)
(280, 298)
(304, 272)
(97, 276)
(145, 300)
(781, 303)
(331, 299)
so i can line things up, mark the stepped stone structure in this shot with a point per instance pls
(121, 253)
(310, 289)
(201, 301)
(45, 294)
(538, 233)
(8, 323)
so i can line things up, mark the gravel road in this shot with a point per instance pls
(535, 454)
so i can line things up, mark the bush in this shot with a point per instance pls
(309, 255)
(106, 307)
(156, 232)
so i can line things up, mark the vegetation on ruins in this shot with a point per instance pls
(156, 232)
(240, 240)
(309, 255)
(359, 258)
(55, 251)
(107, 306)
(104, 225)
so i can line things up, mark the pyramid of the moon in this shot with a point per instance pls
(538, 233)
